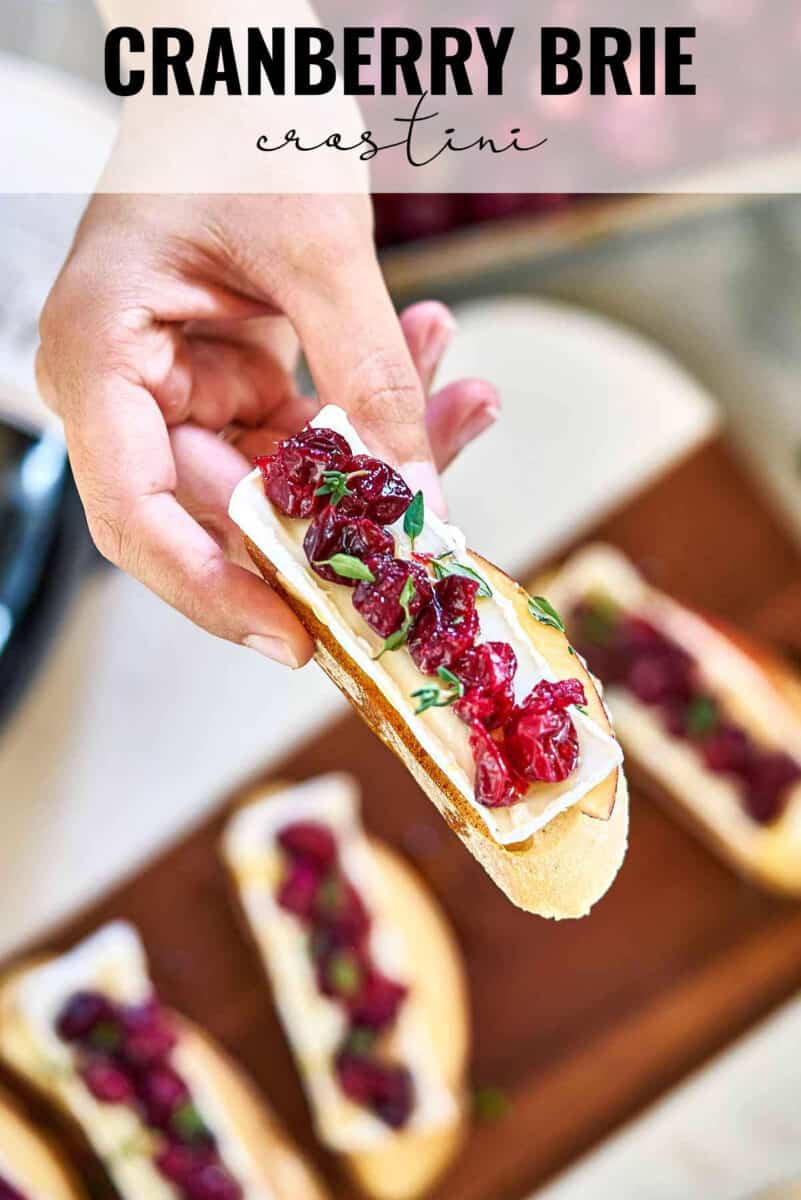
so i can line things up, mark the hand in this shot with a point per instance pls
(176, 317)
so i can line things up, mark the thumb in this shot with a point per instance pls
(359, 359)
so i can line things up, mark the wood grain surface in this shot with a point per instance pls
(578, 1024)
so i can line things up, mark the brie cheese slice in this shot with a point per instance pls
(439, 731)
(316, 1024)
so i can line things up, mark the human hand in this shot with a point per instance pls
(178, 317)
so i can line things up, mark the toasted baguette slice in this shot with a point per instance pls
(557, 851)
(434, 1021)
(28, 1162)
(754, 688)
(251, 1143)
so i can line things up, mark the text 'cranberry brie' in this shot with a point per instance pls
(341, 971)
(88, 1030)
(408, 603)
(698, 706)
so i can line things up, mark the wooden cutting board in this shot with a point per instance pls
(577, 1025)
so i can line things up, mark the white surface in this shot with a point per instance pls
(733, 1129)
(140, 721)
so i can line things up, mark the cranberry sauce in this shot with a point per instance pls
(124, 1056)
(9, 1192)
(625, 651)
(427, 606)
(316, 890)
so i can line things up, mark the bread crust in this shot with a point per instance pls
(283, 1167)
(406, 1165)
(36, 1165)
(563, 869)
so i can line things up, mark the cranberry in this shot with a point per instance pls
(379, 602)
(147, 1034)
(177, 1162)
(8, 1192)
(293, 475)
(659, 676)
(106, 1082)
(161, 1091)
(82, 1013)
(380, 493)
(496, 784)
(377, 1003)
(447, 626)
(339, 907)
(768, 781)
(298, 890)
(487, 672)
(331, 532)
(212, 1182)
(728, 751)
(384, 1088)
(541, 739)
(310, 841)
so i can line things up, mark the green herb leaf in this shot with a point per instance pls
(346, 974)
(442, 567)
(415, 518)
(360, 1041)
(105, 1036)
(348, 567)
(490, 1104)
(544, 612)
(188, 1123)
(580, 708)
(399, 638)
(335, 485)
(702, 716)
(434, 697)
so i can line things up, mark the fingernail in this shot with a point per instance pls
(482, 418)
(272, 648)
(423, 477)
(437, 342)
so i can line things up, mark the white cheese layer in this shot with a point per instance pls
(439, 731)
(316, 1024)
(745, 692)
(113, 962)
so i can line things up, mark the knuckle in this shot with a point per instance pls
(385, 385)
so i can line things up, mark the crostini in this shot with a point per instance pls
(367, 979)
(161, 1107)
(467, 678)
(30, 1169)
(711, 717)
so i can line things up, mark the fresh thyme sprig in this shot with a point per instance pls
(434, 697)
(447, 565)
(335, 485)
(543, 611)
(415, 518)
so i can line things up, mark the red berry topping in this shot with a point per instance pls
(541, 740)
(298, 890)
(310, 841)
(378, 1001)
(82, 1013)
(447, 626)
(487, 672)
(728, 751)
(376, 491)
(768, 782)
(496, 785)
(384, 1088)
(178, 1162)
(106, 1082)
(161, 1091)
(8, 1192)
(212, 1182)
(293, 475)
(331, 532)
(379, 602)
(338, 906)
(147, 1035)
